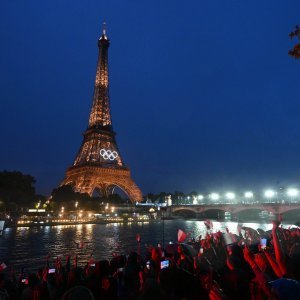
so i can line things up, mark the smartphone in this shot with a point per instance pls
(51, 271)
(92, 265)
(201, 250)
(263, 244)
(164, 264)
(148, 265)
(120, 269)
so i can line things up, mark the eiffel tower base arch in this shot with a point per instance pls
(85, 179)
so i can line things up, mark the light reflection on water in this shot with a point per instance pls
(29, 247)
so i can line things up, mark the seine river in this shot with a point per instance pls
(29, 247)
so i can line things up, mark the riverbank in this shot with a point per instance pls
(141, 219)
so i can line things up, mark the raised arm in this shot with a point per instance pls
(278, 250)
(259, 274)
(274, 265)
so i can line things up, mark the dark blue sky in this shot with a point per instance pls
(203, 94)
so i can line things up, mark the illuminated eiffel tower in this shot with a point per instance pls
(98, 164)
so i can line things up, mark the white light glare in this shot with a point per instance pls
(292, 192)
(248, 195)
(214, 196)
(200, 197)
(230, 195)
(269, 193)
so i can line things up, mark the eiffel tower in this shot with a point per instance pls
(98, 164)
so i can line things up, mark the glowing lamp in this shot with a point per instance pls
(269, 194)
(230, 195)
(248, 195)
(214, 196)
(292, 192)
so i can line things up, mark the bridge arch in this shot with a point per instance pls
(106, 186)
(185, 212)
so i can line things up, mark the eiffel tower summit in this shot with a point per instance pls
(98, 164)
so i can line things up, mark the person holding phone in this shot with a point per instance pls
(263, 244)
(33, 289)
(156, 259)
(164, 264)
(184, 261)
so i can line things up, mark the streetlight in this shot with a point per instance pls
(187, 200)
(292, 193)
(214, 196)
(248, 195)
(200, 197)
(269, 194)
(230, 195)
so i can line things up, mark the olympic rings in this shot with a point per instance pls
(108, 154)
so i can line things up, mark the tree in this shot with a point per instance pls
(66, 196)
(295, 52)
(64, 193)
(178, 197)
(16, 190)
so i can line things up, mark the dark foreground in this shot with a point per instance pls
(252, 264)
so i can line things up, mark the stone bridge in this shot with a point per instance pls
(197, 209)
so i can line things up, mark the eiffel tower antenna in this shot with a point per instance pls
(104, 28)
(104, 36)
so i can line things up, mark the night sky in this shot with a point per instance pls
(204, 96)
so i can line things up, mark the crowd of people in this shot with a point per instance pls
(253, 264)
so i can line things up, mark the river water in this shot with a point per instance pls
(28, 247)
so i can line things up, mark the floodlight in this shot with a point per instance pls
(230, 195)
(214, 196)
(292, 192)
(248, 195)
(269, 193)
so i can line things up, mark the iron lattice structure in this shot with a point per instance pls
(98, 164)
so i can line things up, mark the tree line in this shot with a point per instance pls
(18, 193)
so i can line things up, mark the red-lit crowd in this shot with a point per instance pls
(252, 264)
